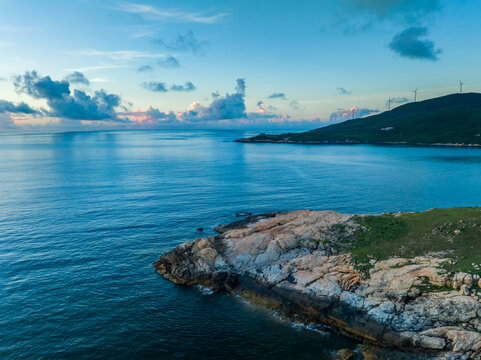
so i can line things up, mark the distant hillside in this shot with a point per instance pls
(451, 119)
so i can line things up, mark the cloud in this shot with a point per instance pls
(152, 118)
(172, 15)
(399, 100)
(347, 114)
(294, 104)
(168, 61)
(99, 80)
(145, 68)
(277, 96)
(6, 122)
(230, 106)
(155, 86)
(343, 91)
(77, 78)
(241, 86)
(125, 55)
(410, 9)
(408, 43)
(224, 111)
(41, 87)
(185, 43)
(62, 103)
(188, 86)
(355, 16)
(9, 107)
(95, 68)
(69, 110)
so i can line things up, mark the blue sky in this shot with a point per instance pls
(227, 64)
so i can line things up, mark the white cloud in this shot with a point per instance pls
(175, 15)
(95, 68)
(99, 80)
(119, 54)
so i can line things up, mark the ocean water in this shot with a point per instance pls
(83, 216)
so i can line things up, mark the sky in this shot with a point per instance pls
(265, 64)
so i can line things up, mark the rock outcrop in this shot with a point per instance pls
(289, 261)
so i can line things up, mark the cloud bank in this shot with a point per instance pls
(228, 111)
(73, 109)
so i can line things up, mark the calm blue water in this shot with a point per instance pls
(83, 216)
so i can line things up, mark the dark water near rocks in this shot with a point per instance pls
(83, 216)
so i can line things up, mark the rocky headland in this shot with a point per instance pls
(409, 281)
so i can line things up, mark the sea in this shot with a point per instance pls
(83, 215)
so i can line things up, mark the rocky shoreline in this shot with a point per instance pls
(297, 263)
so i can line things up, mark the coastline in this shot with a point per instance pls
(300, 264)
(402, 144)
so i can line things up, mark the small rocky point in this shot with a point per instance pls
(289, 262)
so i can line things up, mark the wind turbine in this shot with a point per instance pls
(415, 94)
(461, 86)
(389, 104)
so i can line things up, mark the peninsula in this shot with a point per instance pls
(453, 120)
(409, 281)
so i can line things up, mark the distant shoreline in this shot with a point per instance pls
(403, 144)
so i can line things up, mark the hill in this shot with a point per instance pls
(448, 120)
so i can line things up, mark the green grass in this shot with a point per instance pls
(455, 231)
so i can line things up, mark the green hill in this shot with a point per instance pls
(453, 119)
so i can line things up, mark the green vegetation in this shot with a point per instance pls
(455, 232)
(451, 119)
